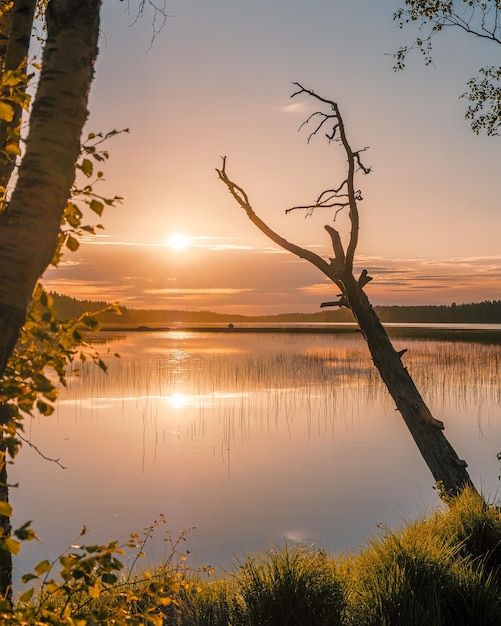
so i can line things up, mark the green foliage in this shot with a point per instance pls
(44, 350)
(90, 586)
(485, 97)
(13, 98)
(84, 196)
(481, 18)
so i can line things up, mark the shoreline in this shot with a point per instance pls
(482, 335)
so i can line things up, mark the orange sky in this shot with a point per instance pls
(217, 81)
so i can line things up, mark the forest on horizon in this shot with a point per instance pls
(486, 312)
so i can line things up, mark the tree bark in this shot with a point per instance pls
(29, 226)
(445, 465)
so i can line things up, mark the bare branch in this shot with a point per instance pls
(159, 18)
(328, 199)
(32, 445)
(364, 278)
(339, 257)
(342, 302)
(333, 198)
(241, 197)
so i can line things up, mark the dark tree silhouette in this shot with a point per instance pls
(447, 468)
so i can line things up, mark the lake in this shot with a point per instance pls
(252, 438)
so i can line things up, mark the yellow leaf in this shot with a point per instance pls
(174, 585)
(42, 568)
(5, 509)
(164, 601)
(6, 112)
(26, 596)
(13, 148)
(12, 546)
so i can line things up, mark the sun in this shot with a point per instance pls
(178, 241)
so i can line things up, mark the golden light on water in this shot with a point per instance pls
(178, 400)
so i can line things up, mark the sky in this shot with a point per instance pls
(216, 81)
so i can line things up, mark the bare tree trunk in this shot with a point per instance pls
(439, 455)
(29, 226)
(426, 431)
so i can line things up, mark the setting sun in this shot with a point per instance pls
(178, 241)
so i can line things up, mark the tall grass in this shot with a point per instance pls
(441, 571)
(296, 586)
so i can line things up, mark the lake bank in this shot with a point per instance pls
(483, 333)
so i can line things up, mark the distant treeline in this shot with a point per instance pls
(487, 312)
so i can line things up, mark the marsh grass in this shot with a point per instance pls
(295, 585)
(440, 571)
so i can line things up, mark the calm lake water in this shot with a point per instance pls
(251, 438)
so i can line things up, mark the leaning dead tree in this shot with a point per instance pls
(448, 470)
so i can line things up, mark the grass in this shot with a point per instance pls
(296, 586)
(440, 571)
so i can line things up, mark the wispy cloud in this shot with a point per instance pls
(295, 108)
(197, 292)
(236, 278)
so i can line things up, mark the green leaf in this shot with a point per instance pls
(72, 243)
(44, 408)
(87, 167)
(109, 579)
(25, 533)
(27, 577)
(96, 206)
(91, 322)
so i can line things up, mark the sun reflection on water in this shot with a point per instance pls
(178, 400)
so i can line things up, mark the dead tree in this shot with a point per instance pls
(448, 470)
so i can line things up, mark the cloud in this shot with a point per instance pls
(244, 279)
(296, 108)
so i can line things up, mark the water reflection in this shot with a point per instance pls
(250, 438)
(178, 400)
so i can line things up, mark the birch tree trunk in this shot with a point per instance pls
(29, 224)
(446, 467)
